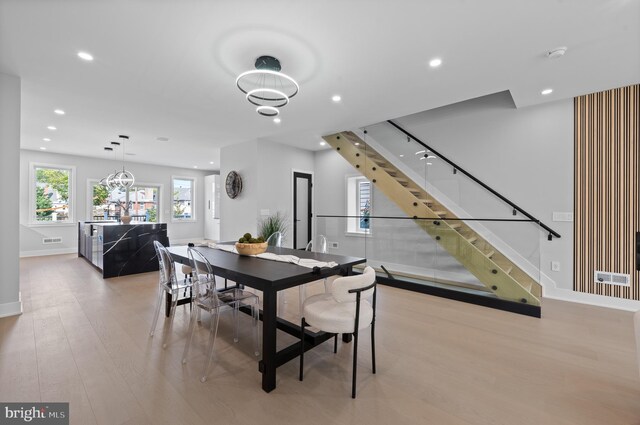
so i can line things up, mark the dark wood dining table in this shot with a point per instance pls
(270, 277)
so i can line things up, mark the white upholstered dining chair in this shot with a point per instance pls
(344, 310)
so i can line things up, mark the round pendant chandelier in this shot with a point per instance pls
(266, 87)
(119, 179)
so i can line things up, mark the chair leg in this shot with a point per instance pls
(335, 343)
(303, 296)
(302, 323)
(355, 363)
(373, 347)
(255, 311)
(168, 326)
(213, 332)
(157, 310)
(236, 319)
(192, 326)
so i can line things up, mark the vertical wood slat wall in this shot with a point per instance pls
(607, 189)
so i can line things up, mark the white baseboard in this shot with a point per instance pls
(590, 299)
(11, 309)
(41, 252)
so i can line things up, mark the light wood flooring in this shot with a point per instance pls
(85, 340)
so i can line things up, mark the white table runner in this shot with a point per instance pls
(304, 262)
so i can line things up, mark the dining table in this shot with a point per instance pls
(270, 277)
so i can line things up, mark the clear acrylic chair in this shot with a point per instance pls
(208, 298)
(275, 239)
(167, 284)
(319, 244)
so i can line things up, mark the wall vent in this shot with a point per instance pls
(619, 279)
(47, 241)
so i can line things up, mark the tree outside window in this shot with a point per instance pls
(52, 194)
(183, 196)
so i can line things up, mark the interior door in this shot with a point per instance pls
(301, 209)
(212, 207)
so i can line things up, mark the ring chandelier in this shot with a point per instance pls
(266, 87)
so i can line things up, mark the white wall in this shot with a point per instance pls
(238, 216)
(525, 154)
(92, 168)
(267, 170)
(9, 172)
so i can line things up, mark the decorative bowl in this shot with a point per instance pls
(251, 248)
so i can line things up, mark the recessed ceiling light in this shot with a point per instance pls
(51, 127)
(42, 148)
(419, 152)
(195, 166)
(429, 163)
(336, 98)
(401, 156)
(277, 120)
(323, 143)
(46, 139)
(85, 56)
(357, 143)
(556, 53)
(211, 162)
(436, 62)
(546, 92)
(59, 111)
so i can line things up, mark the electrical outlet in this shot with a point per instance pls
(333, 245)
(555, 266)
(562, 216)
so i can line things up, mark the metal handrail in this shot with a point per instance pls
(456, 168)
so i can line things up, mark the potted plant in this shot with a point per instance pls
(271, 224)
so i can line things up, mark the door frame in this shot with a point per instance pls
(309, 176)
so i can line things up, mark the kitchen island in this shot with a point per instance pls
(121, 249)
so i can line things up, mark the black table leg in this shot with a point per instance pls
(347, 337)
(167, 309)
(269, 326)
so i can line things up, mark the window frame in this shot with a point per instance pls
(92, 182)
(352, 203)
(193, 200)
(32, 221)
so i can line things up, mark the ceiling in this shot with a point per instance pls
(167, 68)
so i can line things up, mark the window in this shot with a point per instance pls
(183, 190)
(107, 204)
(51, 193)
(358, 205)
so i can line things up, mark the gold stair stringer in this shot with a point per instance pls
(494, 273)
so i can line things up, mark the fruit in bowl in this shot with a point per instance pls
(248, 245)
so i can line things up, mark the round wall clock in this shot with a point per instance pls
(233, 184)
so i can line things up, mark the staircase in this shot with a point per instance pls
(497, 272)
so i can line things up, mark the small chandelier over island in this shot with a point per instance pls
(122, 180)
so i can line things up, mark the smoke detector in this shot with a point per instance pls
(556, 53)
